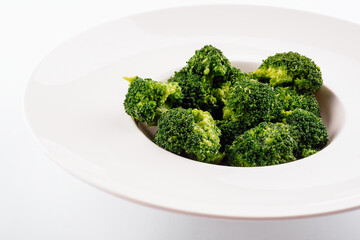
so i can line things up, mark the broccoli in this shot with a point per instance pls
(308, 152)
(308, 130)
(287, 99)
(229, 131)
(235, 75)
(249, 102)
(197, 91)
(266, 144)
(206, 71)
(210, 63)
(246, 103)
(147, 99)
(212, 112)
(191, 133)
(290, 69)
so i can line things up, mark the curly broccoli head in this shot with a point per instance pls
(290, 69)
(309, 103)
(205, 72)
(235, 75)
(287, 99)
(229, 131)
(308, 130)
(209, 62)
(249, 102)
(266, 144)
(196, 89)
(146, 100)
(221, 93)
(190, 133)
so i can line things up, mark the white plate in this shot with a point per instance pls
(73, 105)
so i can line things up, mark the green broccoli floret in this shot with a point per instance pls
(266, 144)
(229, 131)
(308, 130)
(146, 100)
(308, 152)
(190, 133)
(221, 93)
(249, 102)
(290, 69)
(235, 75)
(309, 103)
(196, 89)
(287, 99)
(206, 71)
(210, 63)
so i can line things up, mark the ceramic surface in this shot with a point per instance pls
(73, 104)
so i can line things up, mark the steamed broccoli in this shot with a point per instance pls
(229, 131)
(288, 99)
(212, 112)
(196, 89)
(222, 92)
(210, 63)
(290, 69)
(249, 102)
(206, 71)
(266, 144)
(147, 100)
(308, 130)
(191, 133)
(236, 75)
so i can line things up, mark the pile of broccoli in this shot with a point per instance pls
(212, 112)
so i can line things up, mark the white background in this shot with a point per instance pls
(38, 200)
